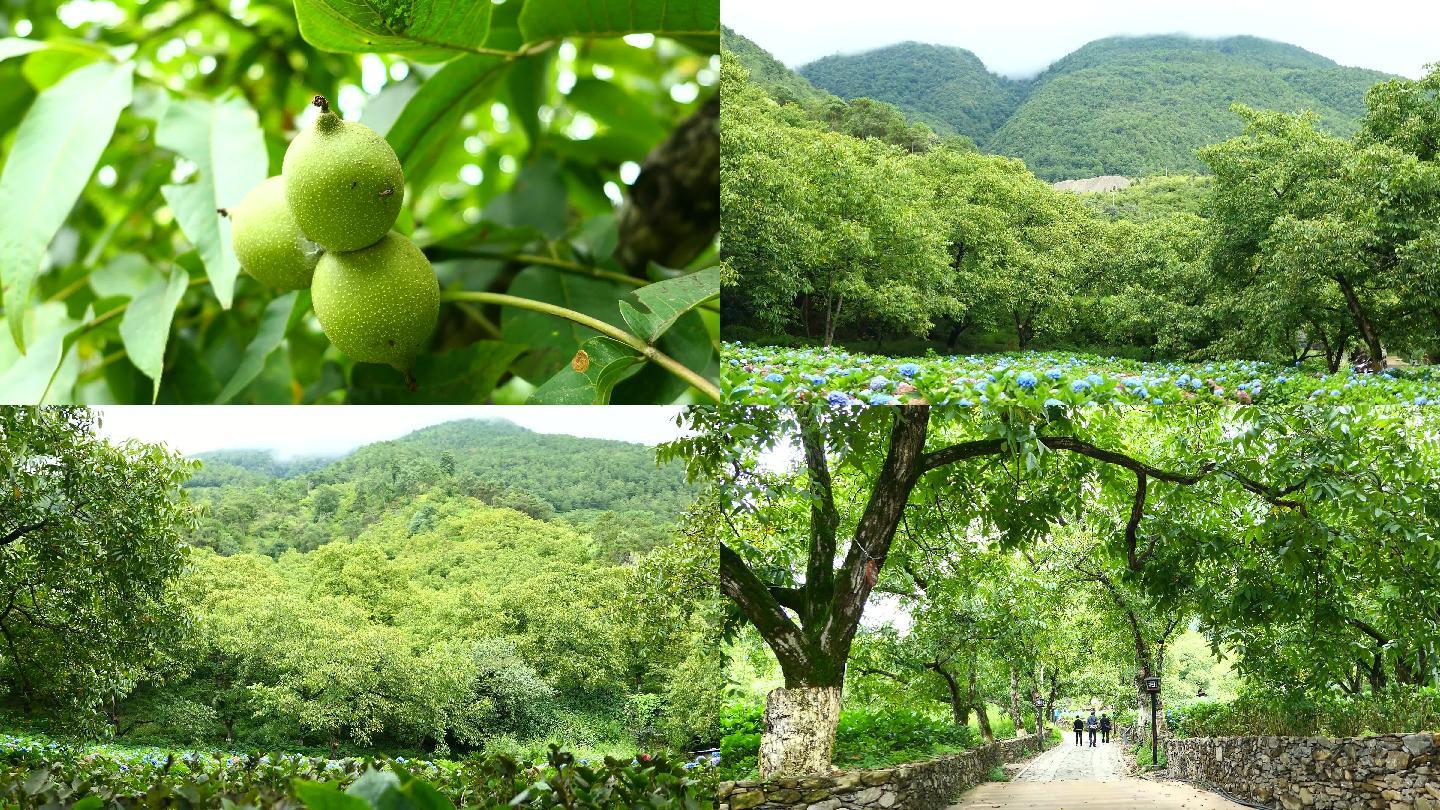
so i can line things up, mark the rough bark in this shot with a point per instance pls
(799, 738)
(1016, 715)
(1362, 320)
(673, 212)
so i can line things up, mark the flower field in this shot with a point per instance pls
(40, 772)
(1056, 382)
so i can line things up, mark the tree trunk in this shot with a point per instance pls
(799, 737)
(1362, 320)
(977, 702)
(982, 717)
(1016, 714)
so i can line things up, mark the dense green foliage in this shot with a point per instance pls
(559, 169)
(37, 772)
(1263, 710)
(91, 545)
(864, 238)
(1124, 105)
(1035, 547)
(471, 587)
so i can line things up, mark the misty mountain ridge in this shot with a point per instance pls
(1126, 105)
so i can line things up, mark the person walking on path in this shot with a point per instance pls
(1092, 724)
(1105, 728)
(1079, 729)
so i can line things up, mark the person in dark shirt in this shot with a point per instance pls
(1105, 728)
(1079, 729)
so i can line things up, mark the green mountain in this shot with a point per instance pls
(612, 490)
(1143, 105)
(767, 71)
(1122, 105)
(949, 89)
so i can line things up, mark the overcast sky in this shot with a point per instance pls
(1020, 38)
(330, 430)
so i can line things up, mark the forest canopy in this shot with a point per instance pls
(471, 587)
(869, 238)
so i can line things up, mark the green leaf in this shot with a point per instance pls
(37, 376)
(145, 327)
(688, 341)
(372, 785)
(529, 85)
(88, 803)
(537, 198)
(127, 275)
(423, 30)
(17, 46)
(561, 337)
(668, 300)
(591, 376)
(433, 115)
(273, 324)
(548, 19)
(56, 148)
(321, 796)
(383, 110)
(224, 141)
(461, 376)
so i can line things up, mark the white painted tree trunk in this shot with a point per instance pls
(799, 736)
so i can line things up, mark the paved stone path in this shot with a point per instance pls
(1070, 777)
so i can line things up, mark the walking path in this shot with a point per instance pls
(1071, 777)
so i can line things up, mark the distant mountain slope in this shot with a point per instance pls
(769, 72)
(1143, 105)
(949, 89)
(613, 490)
(1123, 105)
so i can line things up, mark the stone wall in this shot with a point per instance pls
(927, 785)
(1388, 772)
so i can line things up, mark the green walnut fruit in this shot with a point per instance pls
(268, 243)
(343, 182)
(378, 305)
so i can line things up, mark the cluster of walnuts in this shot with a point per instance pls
(325, 223)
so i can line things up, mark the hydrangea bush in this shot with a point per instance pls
(1054, 382)
(38, 772)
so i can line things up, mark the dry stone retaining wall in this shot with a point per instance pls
(1387, 772)
(927, 785)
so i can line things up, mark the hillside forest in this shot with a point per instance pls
(1300, 235)
(472, 587)
(916, 577)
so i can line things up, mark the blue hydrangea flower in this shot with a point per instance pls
(1080, 386)
(774, 377)
(1094, 379)
(1025, 380)
(883, 399)
(814, 379)
(1053, 374)
(909, 369)
(1054, 403)
(837, 398)
(965, 403)
(1422, 400)
(877, 382)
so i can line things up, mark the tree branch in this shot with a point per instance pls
(824, 520)
(876, 529)
(759, 606)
